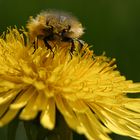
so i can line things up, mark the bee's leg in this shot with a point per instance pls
(81, 43)
(72, 49)
(34, 47)
(35, 44)
(48, 45)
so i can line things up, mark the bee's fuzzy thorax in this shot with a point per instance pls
(48, 23)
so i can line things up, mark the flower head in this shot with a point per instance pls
(86, 89)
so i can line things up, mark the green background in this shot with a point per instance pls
(112, 26)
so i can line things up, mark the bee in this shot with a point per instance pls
(55, 25)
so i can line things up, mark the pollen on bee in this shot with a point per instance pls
(54, 26)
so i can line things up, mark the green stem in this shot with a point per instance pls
(12, 128)
(61, 131)
(27, 126)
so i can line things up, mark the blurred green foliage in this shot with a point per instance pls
(112, 26)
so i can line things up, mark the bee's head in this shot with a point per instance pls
(57, 24)
(63, 24)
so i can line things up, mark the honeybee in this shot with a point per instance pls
(55, 25)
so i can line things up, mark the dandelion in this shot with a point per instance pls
(86, 89)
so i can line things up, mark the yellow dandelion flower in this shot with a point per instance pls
(86, 89)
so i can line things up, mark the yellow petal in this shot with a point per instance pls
(133, 88)
(74, 123)
(41, 102)
(10, 114)
(23, 98)
(47, 118)
(4, 107)
(78, 106)
(89, 132)
(63, 106)
(28, 112)
(6, 96)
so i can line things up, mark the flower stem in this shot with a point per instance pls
(62, 131)
(35, 131)
(28, 131)
(12, 128)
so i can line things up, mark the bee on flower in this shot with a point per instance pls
(90, 94)
(57, 26)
